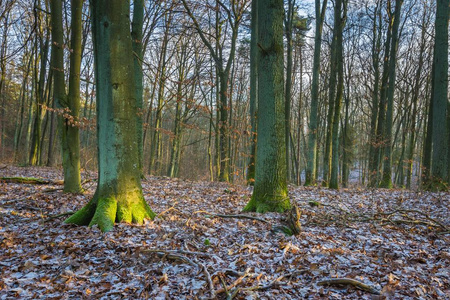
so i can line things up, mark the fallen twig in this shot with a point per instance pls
(350, 281)
(67, 213)
(165, 254)
(170, 255)
(209, 280)
(226, 289)
(167, 210)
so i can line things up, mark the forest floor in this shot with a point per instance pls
(392, 242)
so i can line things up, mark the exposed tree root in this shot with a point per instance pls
(350, 281)
(67, 213)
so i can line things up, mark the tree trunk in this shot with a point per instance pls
(439, 171)
(327, 157)
(379, 142)
(119, 196)
(176, 141)
(253, 92)
(376, 48)
(288, 93)
(155, 150)
(270, 191)
(340, 15)
(386, 181)
(39, 92)
(311, 169)
(136, 35)
(70, 104)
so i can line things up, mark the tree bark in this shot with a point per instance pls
(119, 196)
(439, 171)
(270, 191)
(311, 169)
(253, 92)
(386, 181)
(340, 15)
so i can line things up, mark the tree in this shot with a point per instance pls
(340, 17)
(439, 162)
(69, 104)
(382, 107)
(313, 119)
(253, 91)
(373, 140)
(119, 194)
(136, 34)
(156, 145)
(386, 181)
(42, 39)
(288, 26)
(335, 92)
(270, 191)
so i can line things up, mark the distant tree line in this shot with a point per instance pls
(365, 90)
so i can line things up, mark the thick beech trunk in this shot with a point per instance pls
(119, 196)
(439, 162)
(270, 191)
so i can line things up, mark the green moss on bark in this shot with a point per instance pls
(105, 214)
(268, 203)
(84, 216)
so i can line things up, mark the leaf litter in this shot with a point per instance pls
(354, 244)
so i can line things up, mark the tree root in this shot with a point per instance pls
(49, 218)
(350, 281)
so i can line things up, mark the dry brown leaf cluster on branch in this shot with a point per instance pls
(353, 244)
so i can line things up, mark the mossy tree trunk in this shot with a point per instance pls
(270, 191)
(253, 92)
(119, 196)
(70, 104)
(439, 162)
